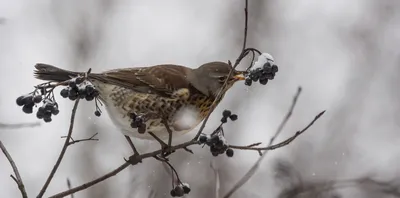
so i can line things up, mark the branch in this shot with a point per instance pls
(219, 95)
(91, 138)
(281, 144)
(63, 150)
(254, 168)
(18, 179)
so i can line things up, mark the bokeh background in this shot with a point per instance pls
(345, 55)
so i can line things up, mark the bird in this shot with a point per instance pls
(171, 94)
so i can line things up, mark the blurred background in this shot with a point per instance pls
(345, 55)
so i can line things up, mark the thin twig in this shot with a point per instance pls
(135, 152)
(217, 180)
(91, 138)
(17, 177)
(281, 144)
(254, 168)
(70, 186)
(19, 125)
(220, 93)
(63, 150)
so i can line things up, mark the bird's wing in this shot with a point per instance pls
(160, 79)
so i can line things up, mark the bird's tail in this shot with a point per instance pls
(52, 73)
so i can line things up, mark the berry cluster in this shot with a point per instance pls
(267, 72)
(216, 141)
(28, 101)
(78, 89)
(180, 190)
(49, 108)
(138, 123)
(228, 114)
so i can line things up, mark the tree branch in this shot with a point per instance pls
(17, 177)
(254, 168)
(63, 150)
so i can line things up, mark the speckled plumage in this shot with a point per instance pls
(181, 94)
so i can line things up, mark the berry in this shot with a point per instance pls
(215, 154)
(226, 113)
(132, 116)
(37, 99)
(224, 120)
(97, 113)
(203, 139)
(21, 101)
(95, 93)
(89, 89)
(47, 114)
(72, 83)
(248, 82)
(89, 97)
(215, 139)
(64, 93)
(134, 125)
(233, 117)
(82, 92)
(73, 97)
(264, 81)
(39, 114)
(267, 65)
(142, 129)
(79, 80)
(186, 188)
(274, 68)
(179, 191)
(229, 152)
(47, 119)
(173, 193)
(55, 111)
(28, 108)
(28, 100)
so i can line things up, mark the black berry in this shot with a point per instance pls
(229, 152)
(21, 101)
(97, 113)
(55, 111)
(233, 117)
(248, 82)
(186, 188)
(224, 120)
(179, 191)
(142, 129)
(203, 139)
(89, 97)
(79, 80)
(226, 113)
(47, 119)
(89, 89)
(173, 193)
(28, 108)
(37, 99)
(264, 81)
(72, 83)
(64, 93)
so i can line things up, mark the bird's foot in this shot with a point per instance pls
(134, 159)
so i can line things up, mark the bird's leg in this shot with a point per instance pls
(135, 152)
(166, 150)
(135, 158)
(165, 122)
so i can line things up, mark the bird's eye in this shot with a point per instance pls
(222, 79)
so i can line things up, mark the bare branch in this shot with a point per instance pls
(219, 95)
(91, 138)
(254, 168)
(17, 177)
(69, 187)
(281, 144)
(63, 150)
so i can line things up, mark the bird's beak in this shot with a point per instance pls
(239, 76)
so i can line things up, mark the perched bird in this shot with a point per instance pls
(180, 95)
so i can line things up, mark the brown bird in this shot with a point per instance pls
(181, 95)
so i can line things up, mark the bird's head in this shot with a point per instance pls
(209, 78)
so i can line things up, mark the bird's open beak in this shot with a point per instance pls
(239, 76)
